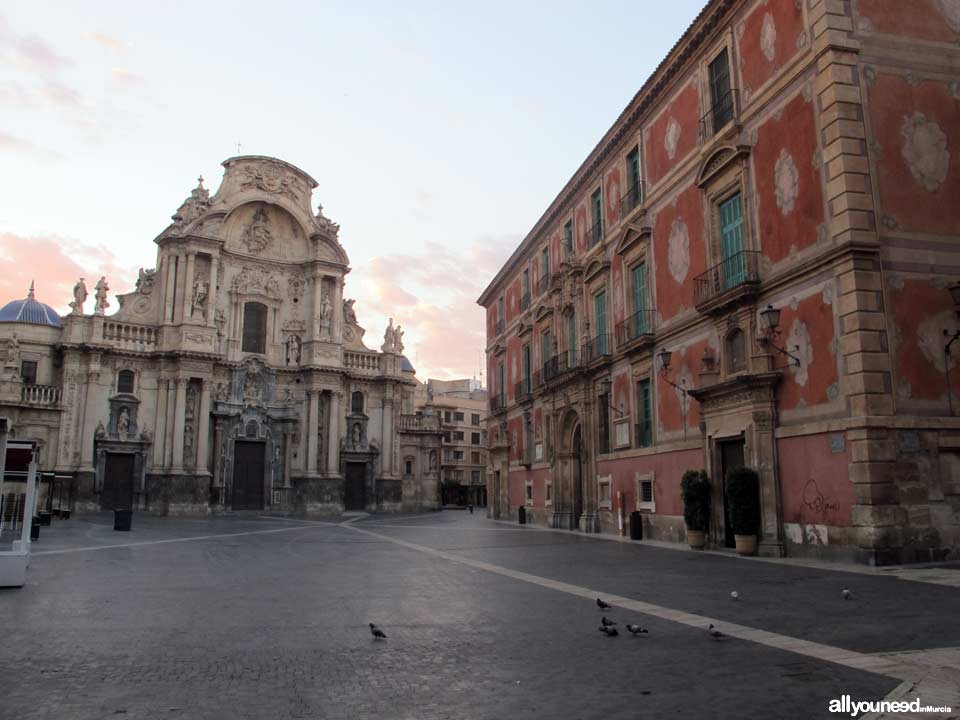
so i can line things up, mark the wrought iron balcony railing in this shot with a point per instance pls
(735, 272)
(725, 109)
(497, 404)
(560, 364)
(597, 347)
(522, 388)
(543, 284)
(594, 234)
(525, 301)
(638, 325)
(631, 199)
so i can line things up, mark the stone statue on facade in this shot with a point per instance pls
(123, 422)
(79, 297)
(100, 295)
(326, 313)
(389, 338)
(220, 320)
(349, 315)
(200, 289)
(100, 432)
(13, 350)
(145, 281)
(399, 340)
(356, 434)
(145, 435)
(293, 350)
(221, 393)
(251, 385)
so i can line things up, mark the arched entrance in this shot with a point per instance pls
(568, 474)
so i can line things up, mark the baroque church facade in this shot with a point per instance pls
(234, 377)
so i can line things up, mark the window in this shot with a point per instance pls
(254, 327)
(475, 419)
(645, 411)
(572, 338)
(603, 425)
(458, 455)
(408, 467)
(644, 489)
(28, 372)
(604, 491)
(526, 369)
(529, 492)
(474, 438)
(252, 429)
(568, 238)
(546, 350)
(538, 451)
(596, 204)
(736, 350)
(458, 417)
(642, 323)
(501, 316)
(458, 476)
(447, 416)
(474, 477)
(633, 175)
(721, 99)
(600, 303)
(545, 263)
(502, 385)
(734, 269)
(356, 402)
(458, 435)
(446, 436)
(525, 300)
(125, 380)
(548, 493)
(475, 457)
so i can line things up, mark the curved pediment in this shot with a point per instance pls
(718, 161)
(595, 267)
(542, 312)
(633, 236)
(261, 229)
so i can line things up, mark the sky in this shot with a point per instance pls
(438, 133)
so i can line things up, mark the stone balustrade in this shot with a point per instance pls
(41, 394)
(366, 362)
(130, 336)
(423, 423)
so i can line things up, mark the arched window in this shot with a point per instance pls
(254, 327)
(125, 381)
(252, 429)
(736, 351)
(356, 402)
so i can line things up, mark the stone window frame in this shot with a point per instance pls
(548, 493)
(605, 482)
(528, 492)
(643, 369)
(596, 281)
(727, 356)
(724, 42)
(133, 381)
(725, 173)
(409, 463)
(619, 423)
(639, 479)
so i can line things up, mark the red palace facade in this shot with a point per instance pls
(759, 263)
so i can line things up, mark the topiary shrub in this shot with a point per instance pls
(743, 497)
(695, 489)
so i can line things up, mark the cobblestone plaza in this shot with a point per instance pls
(266, 617)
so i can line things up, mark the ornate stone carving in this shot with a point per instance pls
(671, 138)
(253, 384)
(326, 225)
(925, 150)
(194, 206)
(220, 320)
(256, 236)
(389, 338)
(326, 314)
(349, 314)
(293, 350)
(678, 254)
(79, 297)
(145, 281)
(296, 285)
(254, 280)
(271, 178)
(768, 37)
(786, 179)
(198, 303)
(100, 295)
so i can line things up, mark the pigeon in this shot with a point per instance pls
(607, 623)
(845, 594)
(734, 595)
(716, 634)
(608, 631)
(377, 633)
(636, 629)
(601, 604)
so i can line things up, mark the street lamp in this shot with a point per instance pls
(665, 357)
(770, 321)
(951, 339)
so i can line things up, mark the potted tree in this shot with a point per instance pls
(695, 489)
(743, 496)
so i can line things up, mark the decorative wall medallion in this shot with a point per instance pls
(786, 179)
(678, 251)
(950, 9)
(671, 138)
(768, 37)
(142, 306)
(799, 335)
(256, 236)
(271, 178)
(925, 150)
(296, 286)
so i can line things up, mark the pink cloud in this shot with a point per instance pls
(14, 144)
(35, 54)
(54, 264)
(107, 41)
(124, 77)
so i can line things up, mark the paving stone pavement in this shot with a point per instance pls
(250, 617)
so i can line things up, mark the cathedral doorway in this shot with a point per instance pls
(248, 475)
(117, 493)
(354, 487)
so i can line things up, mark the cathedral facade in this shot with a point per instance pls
(234, 377)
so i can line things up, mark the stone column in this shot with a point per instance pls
(312, 421)
(212, 291)
(333, 445)
(170, 409)
(386, 438)
(337, 301)
(187, 303)
(203, 429)
(169, 287)
(178, 423)
(160, 424)
(286, 459)
(217, 461)
(315, 332)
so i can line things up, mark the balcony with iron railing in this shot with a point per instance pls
(597, 348)
(523, 389)
(525, 301)
(725, 109)
(594, 234)
(632, 199)
(498, 403)
(560, 364)
(636, 328)
(543, 284)
(728, 282)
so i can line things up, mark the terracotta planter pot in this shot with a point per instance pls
(697, 539)
(746, 544)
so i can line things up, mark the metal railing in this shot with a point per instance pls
(638, 325)
(560, 364)
(522, 388)
(594, 234)
(596, 348)
(631, 198)
(543, 284)
(498, 403)
(644, 434)
(737, 270)
(725, 109)
(525, 301)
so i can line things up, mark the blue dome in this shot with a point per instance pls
(405, 364)
(29, 311)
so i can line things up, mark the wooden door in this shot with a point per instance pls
(731, 455)
(117, 492)
(354, 491)
(248, 475)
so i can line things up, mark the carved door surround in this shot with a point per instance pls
(744, 405)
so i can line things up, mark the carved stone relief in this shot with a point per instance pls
(925, 150)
